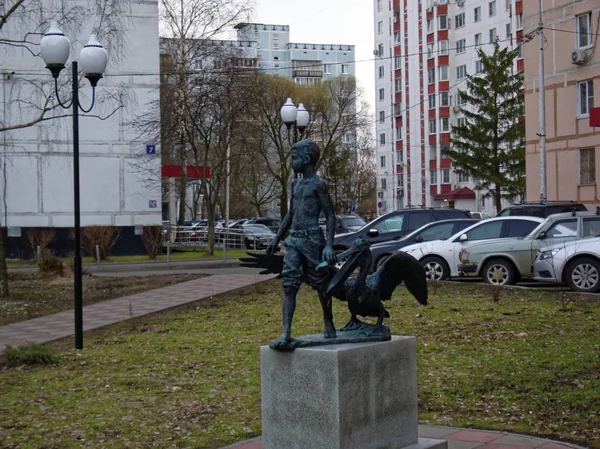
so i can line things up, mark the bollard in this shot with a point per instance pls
(38, 252)
(98, 254)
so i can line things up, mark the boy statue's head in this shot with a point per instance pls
(305, 152)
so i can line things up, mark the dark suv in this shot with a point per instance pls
(542, 210)
(396, 225)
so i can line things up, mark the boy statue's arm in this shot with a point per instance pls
(283, 227)
(327, 207)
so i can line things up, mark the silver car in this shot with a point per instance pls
(576, 263)
(506, 262)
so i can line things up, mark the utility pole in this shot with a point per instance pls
(542, 109)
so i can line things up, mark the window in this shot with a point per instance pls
(382, 139)
(430, 50)
(477, 14)
(344, 69)
(519, 21)
(443, 73)
(443, 149)
(397, 109)
(445, 176)
(444, 99)
(591, 226)
(380, 27)
(400, 158)
(487, 230)
(275, 44)
(438, 231)
(327, 68)
(492, 35)
(444, 47)
(461, 99)
(399, 136)
(398, 85)
(381, 94)
(587, 165)
(508, 2)
(442, 22)
(492, 8)
(461, 46)
(463, 177)
(382, 161)
(397, 38)
(461, 72)
(397, 62)
(444, 125)
(585, 97)
(508, 30)
(563, 228)
(477, 40)
(381, 116)
(432, 126)
(429, 25)
(381, 71)
(479, 65)
(459, 20)
(379, 5)
(431, 76)
(431, 101)
(383, 184)
(198, 65)
(520, 228)
(380, 50)
(584, 30)
(275, 36)
(461, 122)
(390, 224)
(400, 180)
(432, 177)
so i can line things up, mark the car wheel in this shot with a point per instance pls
(583, 275)
(383, 259)
(499, 272)
(436, 268)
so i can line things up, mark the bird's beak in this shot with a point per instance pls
(350, 251)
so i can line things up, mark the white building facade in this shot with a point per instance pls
(38, 160)
(424, 49)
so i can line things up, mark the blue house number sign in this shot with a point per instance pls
(150, 149)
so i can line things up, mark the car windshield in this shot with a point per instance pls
(353, 221)
(257, 228)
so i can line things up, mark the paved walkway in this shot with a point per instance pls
(60, 325)
(463, 439)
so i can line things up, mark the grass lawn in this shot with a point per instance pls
(527, 363)
(33, 296)
(197, 254)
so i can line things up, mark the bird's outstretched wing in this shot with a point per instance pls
(402, 267)
(272, 264)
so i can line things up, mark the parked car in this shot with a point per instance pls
(257, 236)
(440, 257)
(480, 215)
(542, 210)
(576, 263)
(506, 262)
(271, 223)
(438, 230)
(396, 225)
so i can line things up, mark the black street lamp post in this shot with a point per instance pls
(296, 117)
(55, 49)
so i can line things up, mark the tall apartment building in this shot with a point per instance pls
(424, 50)
(572, 80)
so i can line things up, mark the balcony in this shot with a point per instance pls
(307, 74)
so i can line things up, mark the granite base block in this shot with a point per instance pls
(348, 396)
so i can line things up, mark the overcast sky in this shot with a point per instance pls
(328, 22)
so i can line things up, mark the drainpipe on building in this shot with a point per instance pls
(542, 109)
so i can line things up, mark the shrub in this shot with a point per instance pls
(39, 237)
(152, 238)
(47, 262)
(32, 354)
(104, 237)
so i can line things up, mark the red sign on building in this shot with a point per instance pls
(595, 117)
(192, 172)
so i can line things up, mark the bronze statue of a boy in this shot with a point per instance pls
(306, 247)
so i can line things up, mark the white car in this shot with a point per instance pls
(440, 258)
(576, 263)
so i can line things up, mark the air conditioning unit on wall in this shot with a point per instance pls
(579, 57)
(460, 3)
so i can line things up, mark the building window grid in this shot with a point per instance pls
(398, 133)
(433, 177)
(443, 72)
(398, 85)
(461, 46)
(431, 76)
(444, 98)
(508, 30)
(442, 22)
(432, 101)
(477, 14)
(463, 177)
(382, 161)
(493, 35)
(444, 47)
(445, 176)
(381, 94)
(478, 40)
(382, 139)
(430, 50)
(381, 116)
(459, 20)
(479, 66)
(380, 27)
(432, 127)
(587, 165)
(492, 8)
(585, 97)
(444, 125)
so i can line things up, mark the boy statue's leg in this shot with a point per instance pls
(329, 328)
(289, 306)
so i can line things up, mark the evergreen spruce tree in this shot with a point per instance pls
(490, 145)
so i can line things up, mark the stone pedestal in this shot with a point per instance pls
(347, 396)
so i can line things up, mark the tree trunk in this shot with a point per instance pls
(283, 205)
(210, 215)
(4, 293)
(498, 198)
(182, 201)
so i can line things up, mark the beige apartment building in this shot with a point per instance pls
(572, 80)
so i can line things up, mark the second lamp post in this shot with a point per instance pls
(55, 49)
(296, 118)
